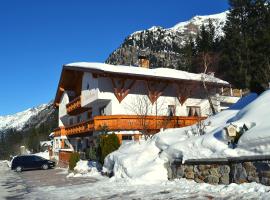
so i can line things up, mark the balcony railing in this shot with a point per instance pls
(74, 105)
(128, 122)
(82, 127)
(58, 131)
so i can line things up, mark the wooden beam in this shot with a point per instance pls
(121, 91)
(183, 93)
(61, 89)
(155, 93)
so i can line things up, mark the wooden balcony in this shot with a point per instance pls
(58, 131)
(128, 122)
(79, 128)
(74, 107)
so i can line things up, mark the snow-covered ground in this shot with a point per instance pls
(10, 184)
(178, 189)
(144, 162)
(13, 185)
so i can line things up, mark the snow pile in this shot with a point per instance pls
(146, 161)
(18, 120)
(44, 154)
(86, 168)
(139, 162)
(7, 162)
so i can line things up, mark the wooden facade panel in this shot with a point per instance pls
(64, 157)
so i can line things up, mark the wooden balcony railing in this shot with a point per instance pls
(128, 122)
(82, 127)
(74, 105)
(58, 131)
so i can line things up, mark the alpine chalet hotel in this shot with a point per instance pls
(131, 102)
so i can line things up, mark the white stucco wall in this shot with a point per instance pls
(100, 94)
(63, 118)
(90, 94)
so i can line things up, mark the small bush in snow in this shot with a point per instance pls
(74, 158)
(108, 144)
(91, 153)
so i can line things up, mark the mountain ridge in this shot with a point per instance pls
(29, 118)
(163, 45)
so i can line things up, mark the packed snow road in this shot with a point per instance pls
(53, 184)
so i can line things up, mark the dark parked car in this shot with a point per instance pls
(23, 162)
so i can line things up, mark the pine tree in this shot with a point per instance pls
(245, 55)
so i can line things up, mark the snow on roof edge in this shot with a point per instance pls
(139, 71)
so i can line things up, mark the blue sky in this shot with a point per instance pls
(37, 37)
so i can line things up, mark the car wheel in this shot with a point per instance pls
(45, 166)
(18, 169)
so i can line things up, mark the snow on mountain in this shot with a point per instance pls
(218, 21)
(163, 45)
(19, 120)
(192, 26)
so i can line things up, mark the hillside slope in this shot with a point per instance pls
(30, 118)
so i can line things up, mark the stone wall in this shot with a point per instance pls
(223, 171)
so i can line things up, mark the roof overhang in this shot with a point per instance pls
(72, 73)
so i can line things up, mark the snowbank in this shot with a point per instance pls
(86, 168)
(44, 154)
(139, 162)
(145, 161)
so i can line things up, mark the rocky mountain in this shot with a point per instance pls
(30, 118)
(161, 45)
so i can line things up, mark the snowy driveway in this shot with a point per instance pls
(53, 184)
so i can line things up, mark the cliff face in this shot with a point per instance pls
(161, 45)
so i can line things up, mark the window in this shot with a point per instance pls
(171, 110)
(194, 111)
(36, 158)
(102, 110)
(66, 144)
(89, 114)
(126, 137)
(88, 86)
(71, 121)
(79, 118)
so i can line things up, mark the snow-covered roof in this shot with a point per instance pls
(162, 73)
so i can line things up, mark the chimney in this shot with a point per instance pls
(143, 61)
